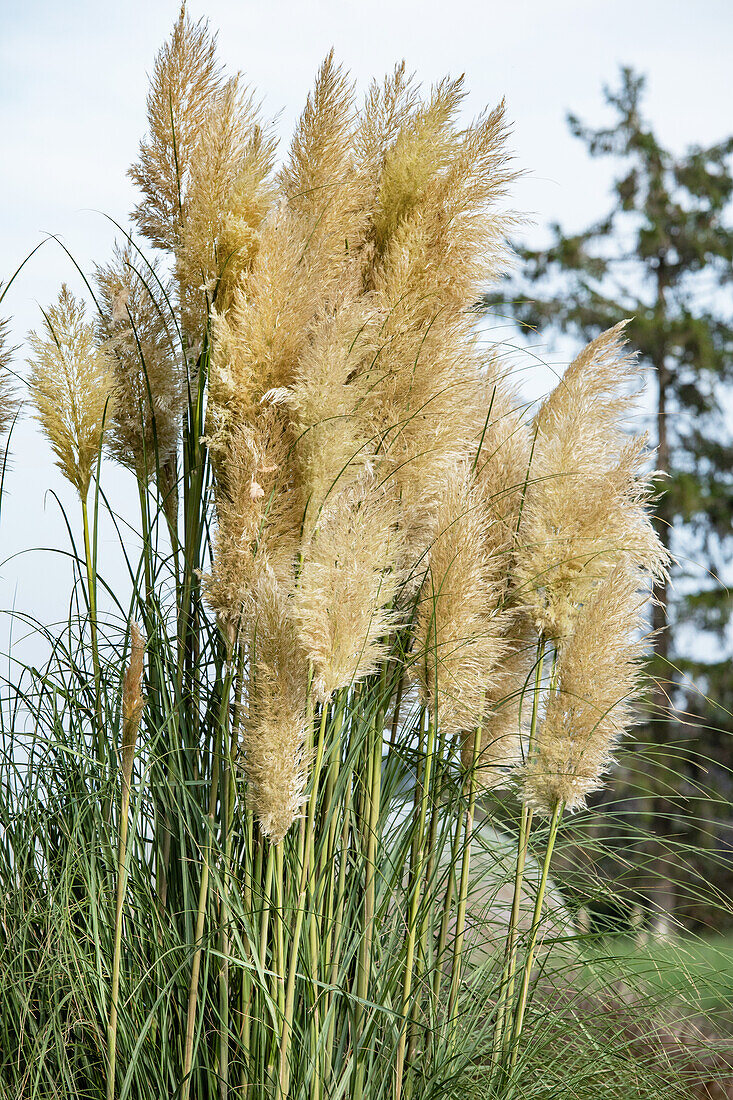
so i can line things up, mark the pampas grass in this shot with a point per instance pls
(251, 856)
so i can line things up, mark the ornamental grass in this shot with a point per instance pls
(380, 603)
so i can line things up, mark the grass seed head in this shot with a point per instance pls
(597, 678)
(185, 83)
(273, 743)
(139, 333)
(586, 509)
(8, 396)
(459, 623)
(71, 383)
(132, 700)
(343, 602)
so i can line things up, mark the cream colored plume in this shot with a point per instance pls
(586, 508)
(590, 709)
(334, 442)
(185, 83)
(460, 622)
(72, 386)
(259, 517)
(436, 212)
(8, 397)
(319, 182)
(504, 712)
(141, 340)
(228, 194)
(258, 345)
(132, 701)
(438, 229)
(274, 750)
(346, 587)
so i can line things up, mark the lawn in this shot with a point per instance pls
(694, 972)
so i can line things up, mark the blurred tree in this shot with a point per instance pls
(663, 257)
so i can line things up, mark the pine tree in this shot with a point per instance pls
(663, 257)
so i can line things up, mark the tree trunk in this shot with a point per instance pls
(661, 889)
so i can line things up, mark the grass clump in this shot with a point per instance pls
(247, 847)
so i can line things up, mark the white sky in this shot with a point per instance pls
(72, 94)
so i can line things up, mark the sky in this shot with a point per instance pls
(72, 99)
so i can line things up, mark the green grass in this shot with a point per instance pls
(694, 971)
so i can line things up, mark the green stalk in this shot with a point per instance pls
(92, 591)
(269, 905)
(506, 992)
(227, 814)
(529, 960)
(202, 903)
(463, 891)
(284, 1076)
(119, 902)
(434, 796)
(374, 759)
(332, 779)
(132, 704)
(414, 906)
(445, 919)
(338, 918)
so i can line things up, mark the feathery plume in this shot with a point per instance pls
(268, 326)
(72, 385)
(346, 587)
(459, 622)
(326, 403)
(138, 333)
(273, 744)
(186, 80)
(436, 205)
(132, 701)
(387, 109)
(259, 516)
(8, 397)
(587, 502)
(319, 182)
(420, 150)
(437, 229)
(228, 194)
(500, 747)
(597, 678)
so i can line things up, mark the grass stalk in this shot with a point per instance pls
(366, 941)
(534, 932)
(456, 963)
(284, 1072)
(413, 909)
(117, 955)
(202, 902)
(506, 987)
(89, 563)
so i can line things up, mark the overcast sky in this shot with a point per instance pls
(72, 97)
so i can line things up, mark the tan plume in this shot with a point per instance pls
(132, 701)
(590, 708)
(587, 501)
(72, 385)
(140, 336)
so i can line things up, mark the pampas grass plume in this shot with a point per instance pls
(72, 385)
(132, 701)
(587, 501)
(597, 680)
(139, 333)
